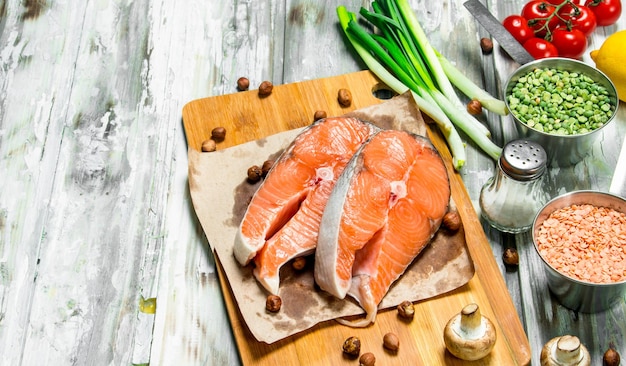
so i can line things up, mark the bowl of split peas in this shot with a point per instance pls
(580, 237)
(563, 104)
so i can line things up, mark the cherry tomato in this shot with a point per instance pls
(580, 17)
(518, 26)
(607, 11)
(569, 43)
(540, 48)
(536, 12)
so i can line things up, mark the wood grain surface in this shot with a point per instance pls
(246, 117)
(95, 213)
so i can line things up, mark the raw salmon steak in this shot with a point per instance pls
(283, 217)
(383, 211)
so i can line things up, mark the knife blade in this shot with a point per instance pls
(618, 182)
(498, 32)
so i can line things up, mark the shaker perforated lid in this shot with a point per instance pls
(523, 159)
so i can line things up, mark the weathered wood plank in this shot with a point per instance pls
(97, 134)
(33, 120)
(94, 208)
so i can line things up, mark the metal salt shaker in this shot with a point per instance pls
(510, 199)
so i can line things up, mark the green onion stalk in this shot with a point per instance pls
(470, 89)
(402, 58)
(444, 72)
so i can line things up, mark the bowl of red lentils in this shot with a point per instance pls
(581, 239)
(563, 104)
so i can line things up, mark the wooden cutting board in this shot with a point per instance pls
(246, 117)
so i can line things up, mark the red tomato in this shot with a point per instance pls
(569, 43)
(540, 48)
(580, 17)
(517, 25)
(607, 11)
(536, 12)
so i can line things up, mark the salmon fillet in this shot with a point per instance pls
(282, 219)
(384, 209)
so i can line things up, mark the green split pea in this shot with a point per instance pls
(560, 102)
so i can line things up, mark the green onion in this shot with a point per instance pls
(470, 89)
(401, 56)
(423, 100)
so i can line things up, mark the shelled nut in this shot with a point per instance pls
(273, 303)
(352, 346)
(266, 88)
(218, 134)
(209, 145)
(243, 83)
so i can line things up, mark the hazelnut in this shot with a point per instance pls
(510, 257)
(486, 45)
(266, 88)
(352, 346)
(344, 97)
(611, 357)
(452, 220)
(243, 83)
(267, 165)
(218, 134)
(273, 303)
(208, 145)
(391, 342)
(298, 263)
(367, 359)
(406, 310)
(474, 107)
(254, 174)
(319, 115)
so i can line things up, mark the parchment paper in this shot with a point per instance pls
(220, 194)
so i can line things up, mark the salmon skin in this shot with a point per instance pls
(383, 211)
(283, 217)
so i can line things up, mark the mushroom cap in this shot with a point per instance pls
(464, 346)
(564, 350)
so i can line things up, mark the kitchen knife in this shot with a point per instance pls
(618, 183)
(498, 32)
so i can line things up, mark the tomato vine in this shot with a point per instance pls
(565, 24)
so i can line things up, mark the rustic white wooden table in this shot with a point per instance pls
(96, 224)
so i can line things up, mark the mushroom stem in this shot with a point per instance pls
(568, 349)
(565, 351)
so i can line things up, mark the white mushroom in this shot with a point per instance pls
(565, 351)
(469, 335)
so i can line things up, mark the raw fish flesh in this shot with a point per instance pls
(283, 217)
(383, 211)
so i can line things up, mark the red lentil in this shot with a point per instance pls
(585, 242)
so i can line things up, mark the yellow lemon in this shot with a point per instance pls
(610, 60)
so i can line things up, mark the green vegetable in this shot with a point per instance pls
(427, 104)
(471, 90)
(401, 56)
(560, 102)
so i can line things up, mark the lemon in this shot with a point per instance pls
(610, 60)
